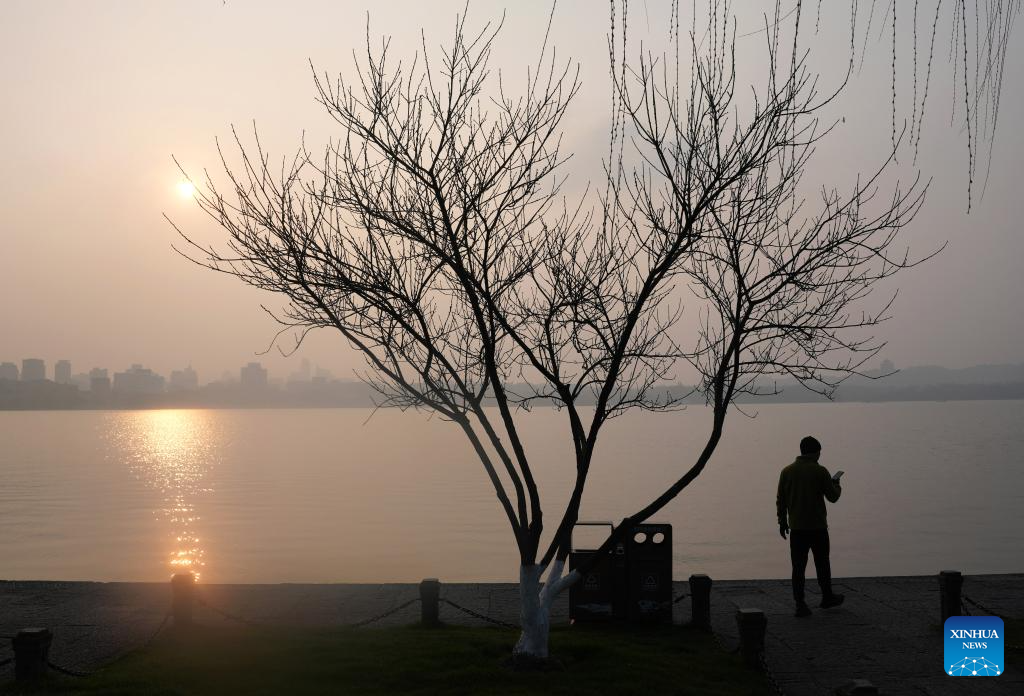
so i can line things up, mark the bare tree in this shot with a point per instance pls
(434, 237)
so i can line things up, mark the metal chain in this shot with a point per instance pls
(478, 615)
(249, 622)
(225, 614)
(505, 624)
(77, 673)
(979, 605)
(228, 615)
(69, 672)
(671, 602)
(776, 687)
(159, 628)
(386, 614)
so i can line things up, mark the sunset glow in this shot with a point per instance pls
(679, 343)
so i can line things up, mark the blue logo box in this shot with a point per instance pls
(974, 646)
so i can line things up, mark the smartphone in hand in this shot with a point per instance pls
(838, 475)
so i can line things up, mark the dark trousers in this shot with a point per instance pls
(816, 541)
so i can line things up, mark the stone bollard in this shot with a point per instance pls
(752, 624)
(31, 652)
(430, 595)
(950, 582)
(857, 687)
(700, 601)
(183, 587)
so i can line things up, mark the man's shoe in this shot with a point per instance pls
(833, 600)
(802, 610)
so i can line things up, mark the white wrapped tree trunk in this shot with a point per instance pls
(535, 600)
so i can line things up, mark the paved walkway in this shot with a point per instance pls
(887, 631)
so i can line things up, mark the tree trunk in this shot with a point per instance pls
(535, 600)
(534, 616)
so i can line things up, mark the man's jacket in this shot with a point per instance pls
(803, 487)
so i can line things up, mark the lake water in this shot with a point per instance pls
(325, 496)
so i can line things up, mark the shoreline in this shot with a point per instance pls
(1017, 395)
(888, 630)
(412, 583)
(10, 583)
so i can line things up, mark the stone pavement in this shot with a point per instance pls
(887, 631)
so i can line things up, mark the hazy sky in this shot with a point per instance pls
(98, 95)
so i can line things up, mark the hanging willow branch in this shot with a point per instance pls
(979, 33)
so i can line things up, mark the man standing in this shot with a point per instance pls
(803, 487)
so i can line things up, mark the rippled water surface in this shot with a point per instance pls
(325, 496)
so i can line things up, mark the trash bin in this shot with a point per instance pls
(600, 595)
(649, 583)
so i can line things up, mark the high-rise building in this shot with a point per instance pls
(9, 370)
(138, 380)
(99, 382)
(302, 374)
(33, 370)
(184, 380)
(62, 372)
(81, 381)
(253, 376)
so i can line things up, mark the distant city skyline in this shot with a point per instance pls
(252, 386)
(139, 378)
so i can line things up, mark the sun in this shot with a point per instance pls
(186, 189)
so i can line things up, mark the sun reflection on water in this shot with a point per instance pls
(173, 451)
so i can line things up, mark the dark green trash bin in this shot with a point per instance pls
(600, 595)
(633, 583)
(649, 584)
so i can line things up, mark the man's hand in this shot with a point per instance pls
(783, 529)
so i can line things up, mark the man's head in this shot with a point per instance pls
(810, 447)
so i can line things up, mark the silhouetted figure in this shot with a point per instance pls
(804, 486)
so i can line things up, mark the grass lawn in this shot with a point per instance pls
(451, 659)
